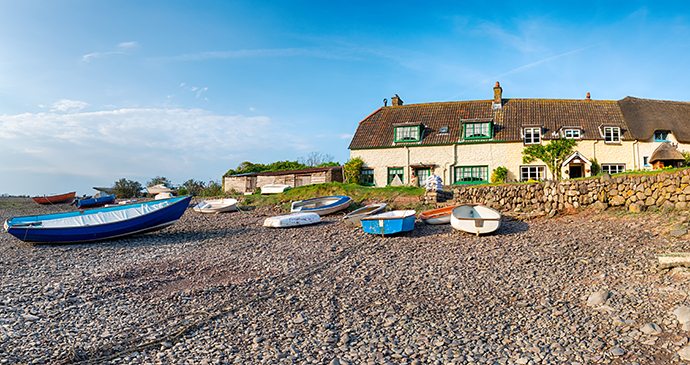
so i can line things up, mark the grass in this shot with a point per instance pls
(360, 194)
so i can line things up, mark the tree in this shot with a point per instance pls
(552, 154)
(193, 187)
(158, 180)
(124, 188)
(317, 159)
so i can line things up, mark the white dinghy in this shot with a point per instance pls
(292, 220)
(216, 206)
(475, 218)
(354, 218)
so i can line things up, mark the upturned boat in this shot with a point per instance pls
(292, 220)
(215, 206)
(274, 188)
(95, 202)
(161, 188)
(354, 218)
(392, 222)
(98, 224)
(321, 206)
(55, 199)
(475, 218)
(437, 216)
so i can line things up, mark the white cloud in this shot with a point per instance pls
(65, 105)
(122, 47)
(128, 44)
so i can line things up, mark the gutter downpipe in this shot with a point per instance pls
(594, 154)
(636, 157)
(407, 167)
(450, 164)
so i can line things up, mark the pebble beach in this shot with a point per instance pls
(222, 289)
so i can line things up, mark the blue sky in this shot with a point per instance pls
(94, 91)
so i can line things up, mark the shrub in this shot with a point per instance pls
(124, 188)
(596, 168)
(213, 188)
(158, 180)
(353, 170)
(499, 174)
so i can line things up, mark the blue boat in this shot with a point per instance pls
(94, 202)
(98, 224)
(390, 222)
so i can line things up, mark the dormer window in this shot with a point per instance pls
(443, 129)
(661, 136)
(532, 135)
(612, 135)
(477, 130)
(571, 133)
(408, 133)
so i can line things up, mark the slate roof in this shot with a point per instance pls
(645, 116)
(377, 130)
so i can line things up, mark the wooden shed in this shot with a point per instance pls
(249, 183)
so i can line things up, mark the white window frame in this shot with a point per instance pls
(612, 168)
(613, 135)
(534, 134)
(574, 133)
(532, 171)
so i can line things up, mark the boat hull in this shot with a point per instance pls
(292, 220)
(354, 218)
(55, 199)
(274, 189)
(28, 229)
(321, 206)
(216, 206)
(475, 219)
(94, 202)
(437, 216)
(393, 222)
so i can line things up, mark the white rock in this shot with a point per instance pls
(298, 319)
(30, 317)
(651, 329)
(617, 351)
(686, 326)
(682, 314)
(684, 353)
(597, 298)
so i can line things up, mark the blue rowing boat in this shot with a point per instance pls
(98, 224)
(392, 222)
(94, 202)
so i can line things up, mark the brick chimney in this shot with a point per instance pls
(498, 96)
(396, 101)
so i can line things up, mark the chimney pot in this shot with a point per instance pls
(588, 96)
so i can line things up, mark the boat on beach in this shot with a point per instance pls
(161, 188)
(392, 222)
(292, 220)
(475, 218)
(98, 224)
(321, 206)
(216, 206)
(274, 188)
(437, 216)
(95, 201)
(55, 199)
(353, 219)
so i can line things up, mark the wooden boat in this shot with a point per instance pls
(395, 221)
(321, 206)
(96, 201)
(98, 224)
(475, 218)
(292, 220)
(437, 216)
(216, 206)
(55, 199)
(353, 219)
(274, 188)
(161, 188)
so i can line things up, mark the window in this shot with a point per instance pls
(367, 177)
(532, 135)
(443, 129)
(645, 161)
(407, 134)
(471, 174)
(422, 176)
(612, 135)
(532, 173)
(477, 131)
(572, 133)
(612, 168)
(395, 171)
(661, 136)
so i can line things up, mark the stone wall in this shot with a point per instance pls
(666, 190)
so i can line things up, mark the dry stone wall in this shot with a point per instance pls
(666, 190)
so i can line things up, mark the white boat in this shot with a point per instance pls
(475, 218)
(292, 220)
(160, 188)
(353, 219)
(274, 188)
(322, 206)
(216, 206)
(160, 196)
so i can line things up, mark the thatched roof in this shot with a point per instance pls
(666, 152)
(645, 116)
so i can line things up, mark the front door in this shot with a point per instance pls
(422, 175)
(575, 171)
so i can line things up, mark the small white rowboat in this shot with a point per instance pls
(274, 188)
(216, 206)
(353, 219)
(292, 220)
(322, 206)
(475, 218)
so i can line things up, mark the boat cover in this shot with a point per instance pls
(103, 217)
